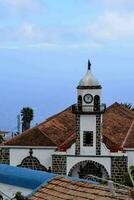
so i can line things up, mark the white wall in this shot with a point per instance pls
(104, 150)
(43, 155)
(71, 150)
(93, 92)
(130, 158)
(87, 123)
(105, 161)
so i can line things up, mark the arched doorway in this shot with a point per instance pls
(84, 168)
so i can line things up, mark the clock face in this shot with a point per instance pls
(88, 98)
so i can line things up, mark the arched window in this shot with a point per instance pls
(96, 103)
(80, 103)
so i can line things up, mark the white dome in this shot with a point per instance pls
(89, 79)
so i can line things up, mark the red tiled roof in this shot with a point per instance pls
(31, 137)
(61, 188)
(129, 142)
(52, 132)
(59, 130)
(3, 132)
(116, 124)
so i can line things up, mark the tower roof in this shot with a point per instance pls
(89, 79)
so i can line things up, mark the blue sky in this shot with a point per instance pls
(44, 48)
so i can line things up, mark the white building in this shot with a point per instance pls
(78, 141)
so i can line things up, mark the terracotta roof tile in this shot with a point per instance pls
(31, 137)
(59, 130)
(65, 188)
(117, 121)
(129, 142)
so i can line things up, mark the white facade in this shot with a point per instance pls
(44, 155)
(130, 154)
(72, 161)
(87, 123)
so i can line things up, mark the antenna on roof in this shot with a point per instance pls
(89, 64)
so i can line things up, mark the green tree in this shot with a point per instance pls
(132, 171)
(19, 196)
(27, 116)
(1, 139)
(1, 197)
(128, 105)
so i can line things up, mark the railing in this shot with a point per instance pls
(112, 186)
(88, 108)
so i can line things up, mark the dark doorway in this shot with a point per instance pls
(90, 168)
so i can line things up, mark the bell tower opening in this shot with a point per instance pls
(96, 103)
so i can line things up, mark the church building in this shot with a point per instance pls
(85, 139)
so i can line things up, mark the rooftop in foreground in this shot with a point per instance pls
(38, 185)
(65, 188)
(14, 179)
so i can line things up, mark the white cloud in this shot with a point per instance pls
(53, 46)
(118, 3)
(105, 29)
(21, 7)
(112, 26)
(29, 32)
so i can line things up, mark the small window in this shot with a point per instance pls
(88, 138)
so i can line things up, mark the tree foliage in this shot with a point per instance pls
(1, 139)
(19, 196)
(132, 171)
(27, 116)
(128, 181)
(1, 197)
(128, 105)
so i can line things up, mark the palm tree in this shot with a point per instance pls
(27, 116)
(128, 105)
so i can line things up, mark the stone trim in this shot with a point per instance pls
(32, 162)
(4, 156)
(98, 134)
(119, 168)
(59, 164)
(92, 156)
(81, 163)
(89, 87)
(77, 148)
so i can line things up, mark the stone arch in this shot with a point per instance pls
(88, 167)
(32, 163)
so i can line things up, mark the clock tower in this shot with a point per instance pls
(89, 111)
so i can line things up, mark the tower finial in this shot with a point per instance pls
(89, 65)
